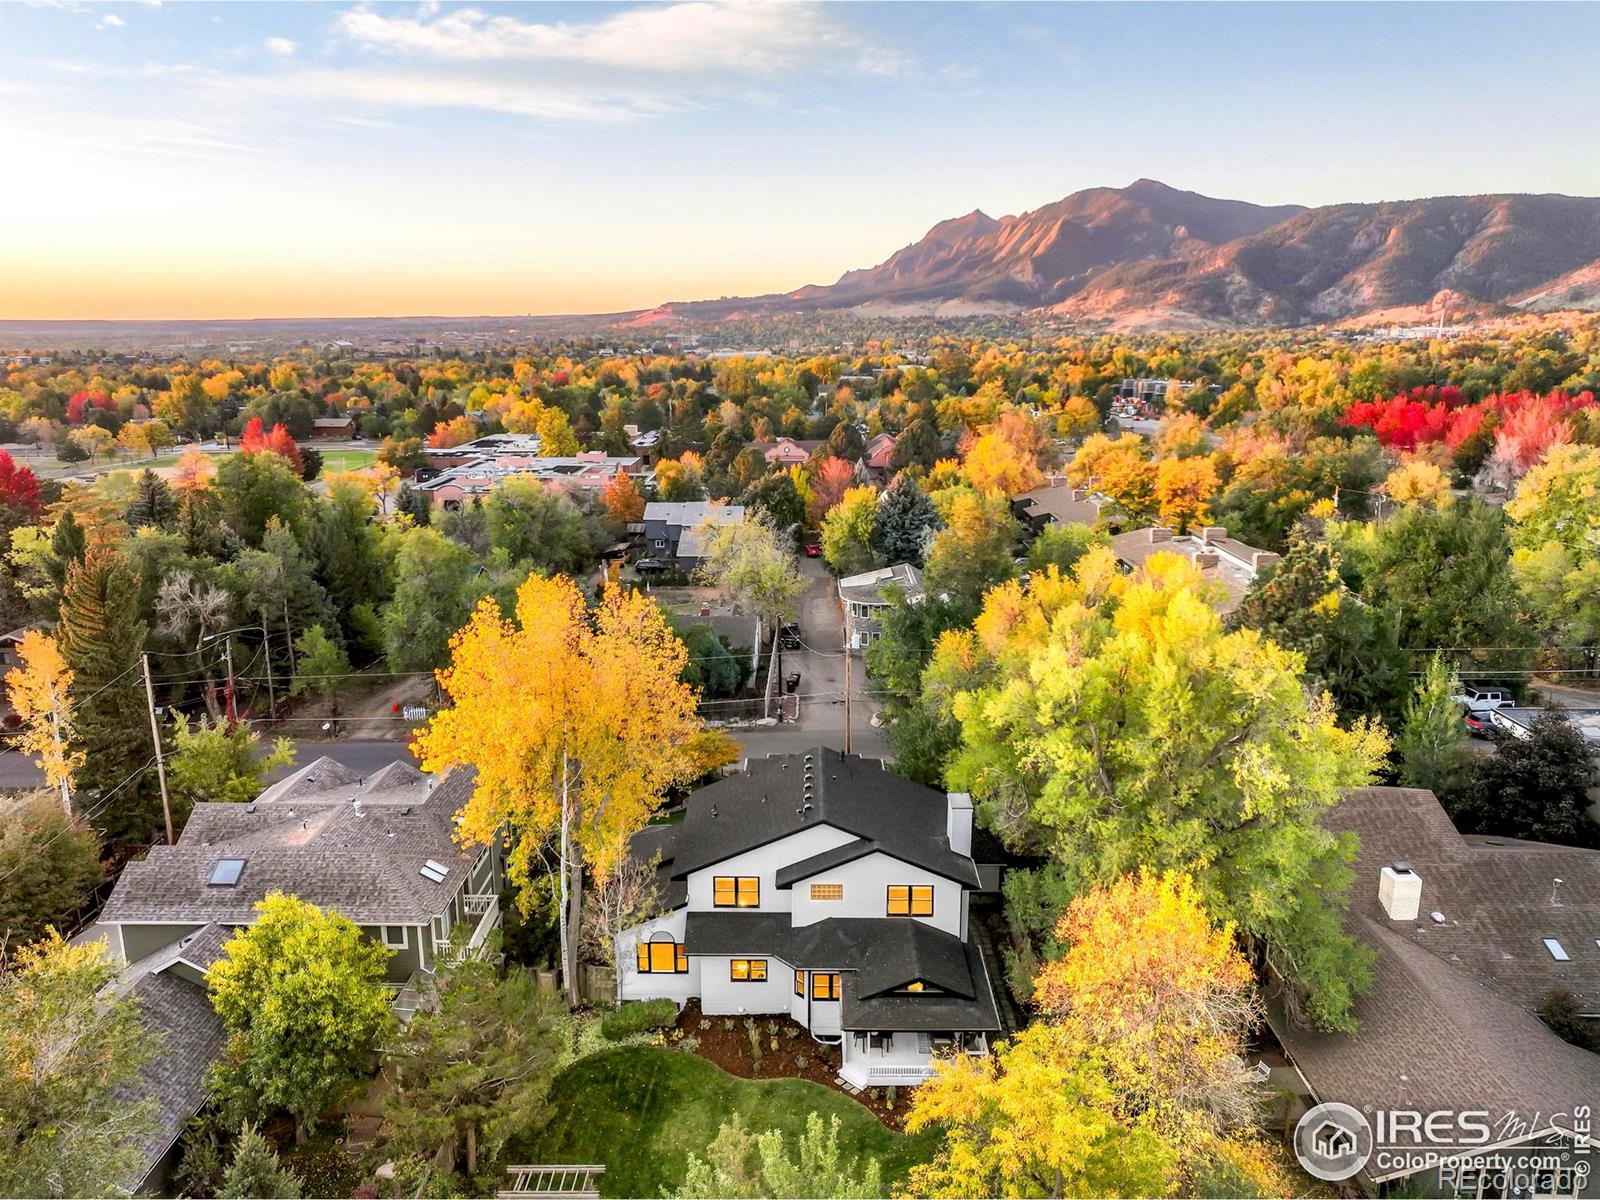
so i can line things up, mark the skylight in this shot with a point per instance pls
(225, 872)
(1557, 950)
(434, 871)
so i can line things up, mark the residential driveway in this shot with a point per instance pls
(820, 662)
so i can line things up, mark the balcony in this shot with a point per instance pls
(900, 1059)
(486, 907)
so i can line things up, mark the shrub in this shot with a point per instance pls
(636, 1018)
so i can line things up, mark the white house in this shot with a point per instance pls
(823, 888)
(864, 602)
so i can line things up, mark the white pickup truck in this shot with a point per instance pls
(1482, 700)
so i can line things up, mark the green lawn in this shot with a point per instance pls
(345, 460)
(642, 1110)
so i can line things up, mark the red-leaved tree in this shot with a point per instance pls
(254, 440)
(82, 399)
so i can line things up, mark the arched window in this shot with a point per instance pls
(662, 956)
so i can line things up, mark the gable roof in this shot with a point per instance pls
(850, 793)
(326, 834)
(187, 1037)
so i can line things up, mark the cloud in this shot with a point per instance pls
(280, 45)
(110, 21)
(694, 36)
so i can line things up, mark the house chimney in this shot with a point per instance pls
(1211, 532)
(1262, 558)
(1400, 892)
(958, 822)
(1159, 533)
(1206, 559)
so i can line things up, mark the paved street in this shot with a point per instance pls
(821, 666)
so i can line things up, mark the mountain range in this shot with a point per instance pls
(1149, 255)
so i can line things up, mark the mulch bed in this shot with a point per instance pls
(726, 1042)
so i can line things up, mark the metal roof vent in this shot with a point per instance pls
(251, 807)
(1437, 917)
(713, 812)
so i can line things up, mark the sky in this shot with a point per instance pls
(200, 160)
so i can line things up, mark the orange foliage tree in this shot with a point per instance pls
(1183, 489)
(623, 500)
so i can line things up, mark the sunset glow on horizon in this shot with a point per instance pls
(203, 160)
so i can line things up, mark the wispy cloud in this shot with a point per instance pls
(280, 45)
(110, 21)
(686, 37)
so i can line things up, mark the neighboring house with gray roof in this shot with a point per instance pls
(675, 530)
(822, 887)
(379, 849)
(186, 1037)
(1220, 558)
(865, 600)
(1470, 935)
(1057, 503)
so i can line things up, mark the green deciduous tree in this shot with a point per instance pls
(320, 665)
(754, 563)
(1117, 725)
(49, 862)
(1431, 733)
(1555, 533)
(1350, 647)
(847, 532)
(1534, 787)
(973, 551)
(435, 589)
(300, 996)
(219, 762)
(254, 488)
(743, 1166)
(1061, 546)
(66, 1050)
(530, 523)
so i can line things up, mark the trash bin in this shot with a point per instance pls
(791, 681)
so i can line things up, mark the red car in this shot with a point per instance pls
(813, 549)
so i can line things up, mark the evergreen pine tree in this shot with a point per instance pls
(153, 503)
(256, 1173)
(68, 542)
(903, 522)
(101, 637)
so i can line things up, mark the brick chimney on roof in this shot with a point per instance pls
(1159, 533)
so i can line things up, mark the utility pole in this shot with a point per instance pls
(55, 731)
(233, 711)
(288, 632)
(155, 736)
(847, 688)
(266, 657)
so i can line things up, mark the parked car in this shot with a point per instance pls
(649, 566)
(813, 549)
(789, 637)
(1482, 700)
(1477, 726)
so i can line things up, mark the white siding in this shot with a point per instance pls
(721, 995)
(764, 862)
(637, 985)
(866, 882)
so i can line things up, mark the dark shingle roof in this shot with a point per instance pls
(878, 955)
(850, 793)
(827, 860)
(1432, 1038)
(347, 843)
(1449, 1022)
(187, 1036)
(1498, 896)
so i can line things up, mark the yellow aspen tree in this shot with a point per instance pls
(577, 722)
(38, 690)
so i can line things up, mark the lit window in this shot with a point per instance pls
(665, 957)
(918, 987)
(743, 891)
(225, 872)
(827, 891)
(824, 985)
(747, 970)
(799, 983)
(910, 900)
